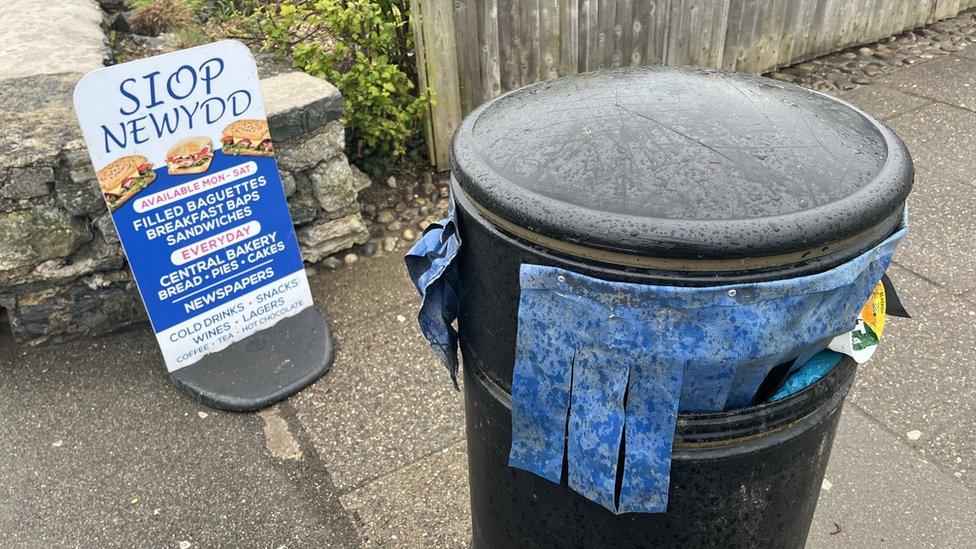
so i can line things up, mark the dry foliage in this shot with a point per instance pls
(159, 16)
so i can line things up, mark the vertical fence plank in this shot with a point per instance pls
(623, 29)
(639, 29)
(716, 38)
(733, 31)
(587, 32)
(440, 57)
(508, 66)
(549, 38)
(468, 54)
(678, 39)
(569, 29)
(605, 33)
(416, 26)
(748, 58)
(529, 54)
(488, 39)
(658, 31)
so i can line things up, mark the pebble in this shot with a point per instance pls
(870, 71)
(332, 262)
(866, 52)
(393, 226)
(423, 224)
(391, 182)
(389, 243)
(311, 272)
(384, 216)
(914, 434)
(951, 47)
(863, 80)
(203, 415)
(369, 249)
(408, 235)
(350, 258)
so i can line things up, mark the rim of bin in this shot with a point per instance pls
(654, 241)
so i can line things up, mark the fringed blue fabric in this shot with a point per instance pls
(430, 263)
(598, 362)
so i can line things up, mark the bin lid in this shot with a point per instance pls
(684, 163)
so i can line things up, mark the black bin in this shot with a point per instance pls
(666, 176)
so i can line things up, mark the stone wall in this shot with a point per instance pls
(62, 271)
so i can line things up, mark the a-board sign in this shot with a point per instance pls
(184, 158)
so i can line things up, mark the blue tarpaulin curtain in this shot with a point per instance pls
(598, 362)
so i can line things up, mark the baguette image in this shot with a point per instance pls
(123, 178)
(190, 155)
(247, 137)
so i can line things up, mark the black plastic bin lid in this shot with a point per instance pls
(697, 165)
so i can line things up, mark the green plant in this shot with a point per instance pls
(363, 47)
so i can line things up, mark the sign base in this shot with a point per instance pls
(264, 368)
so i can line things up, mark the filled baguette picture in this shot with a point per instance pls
(190, 155)
(124, 178)
(247, 137)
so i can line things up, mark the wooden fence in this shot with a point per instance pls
(472, 50)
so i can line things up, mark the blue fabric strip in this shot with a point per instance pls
(596, 422)
(430, 264)
(652, 409)
(713, 346)
(540, 401)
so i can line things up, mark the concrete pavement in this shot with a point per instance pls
(99, 449)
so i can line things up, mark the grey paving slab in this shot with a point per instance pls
(955, 450)
(951, 79)
(882, 494)
(423, 505)
(386, 403)
(99, 449)
(50, 38)
(940, 244)
(923, 376)
(969, 52)
(369, 287)
(882, 101)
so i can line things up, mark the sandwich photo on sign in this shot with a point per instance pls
(189, 156)
(123, 178)
(247, 137)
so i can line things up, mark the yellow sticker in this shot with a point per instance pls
(873, 312)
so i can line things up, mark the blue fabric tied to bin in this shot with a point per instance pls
(604, 365)
(430, 266)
